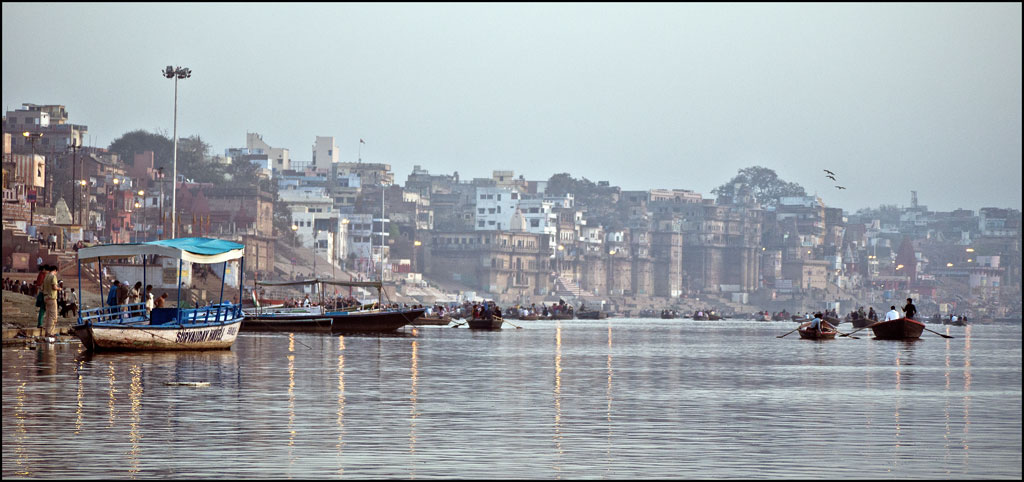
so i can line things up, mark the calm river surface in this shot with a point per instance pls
(619, 398)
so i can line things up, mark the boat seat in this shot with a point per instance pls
(162, 316)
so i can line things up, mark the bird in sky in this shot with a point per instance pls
(831, 177)
(828, 171)
(840, 187)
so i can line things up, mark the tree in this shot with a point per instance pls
(139, 141)
(599, 201)
(763, 183)
(193, 154)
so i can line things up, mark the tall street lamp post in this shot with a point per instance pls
(295, 244)
(74, 146)
(175, 73)
(142, 204)
(32, 136)
(316, 234)
(160, 230)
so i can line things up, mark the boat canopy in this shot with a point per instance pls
(364, 284)
(195, 250)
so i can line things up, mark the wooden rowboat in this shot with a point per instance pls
(432, 320)
(898, 329)
(827, 332)
(493, 323)
(591, 315)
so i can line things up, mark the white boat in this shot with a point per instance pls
(126, 327)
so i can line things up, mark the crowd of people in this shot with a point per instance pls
(52, 299)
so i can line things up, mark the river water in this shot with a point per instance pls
(618, 398)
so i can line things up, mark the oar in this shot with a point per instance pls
(460, 324)
(940, 334)
(513, 324)
(858, 329)
(797, 328)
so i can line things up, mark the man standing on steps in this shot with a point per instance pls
(50, 288)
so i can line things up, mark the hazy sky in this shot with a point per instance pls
(890, 97)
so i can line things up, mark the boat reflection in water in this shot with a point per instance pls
(607, 399)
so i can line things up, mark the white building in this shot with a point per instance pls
(364, 242)
(494, 208)
(325, 154)
(278, 156)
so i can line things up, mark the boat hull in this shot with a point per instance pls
(810, 334)
(484, 324)
(372, 322)
(898, 329)
(591, 315)
(319, 324)
(115, 337)
(431, 321)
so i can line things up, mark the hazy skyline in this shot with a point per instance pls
(890, 97)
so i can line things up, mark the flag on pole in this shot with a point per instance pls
(362, 141)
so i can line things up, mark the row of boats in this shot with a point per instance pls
(216, 326)
(130, 327)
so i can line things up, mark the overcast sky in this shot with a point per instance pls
(890, 97)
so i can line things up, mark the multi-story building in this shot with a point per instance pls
(495, 207)
(279, 159)
(512, 263)
(809, 215)
(325, 154)
(49, 120)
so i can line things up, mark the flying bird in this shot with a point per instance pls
(828, 171)
(831, 177)
(840, 187)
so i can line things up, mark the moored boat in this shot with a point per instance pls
(432, 320)
(372, 321)
(898, 329)
(128, 327)
(591, 315)
(832, 320)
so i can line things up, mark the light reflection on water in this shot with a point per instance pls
(562, 399)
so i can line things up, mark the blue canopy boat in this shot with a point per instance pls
(126, 327)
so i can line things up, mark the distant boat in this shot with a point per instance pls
(584, 314)
(127, 327)
(492, 323)
(898, 329)
(432, 320)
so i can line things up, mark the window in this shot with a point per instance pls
(481, 223)
(534, 223)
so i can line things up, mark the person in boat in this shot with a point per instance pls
(161, 301)
(872, 315)
(816, 322)
(909, 311)
(892, 314)
(149, 300)
(135, 293)
(112, 295)
(305, 301)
